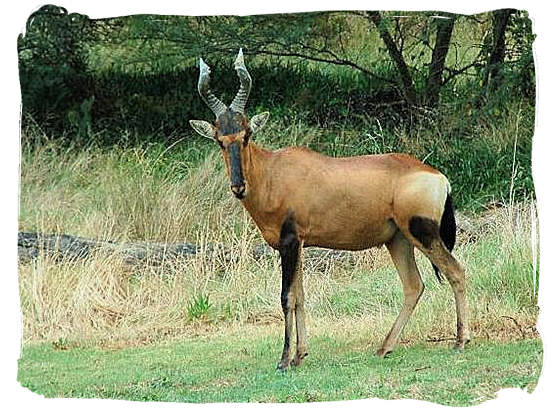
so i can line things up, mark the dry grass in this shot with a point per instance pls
(119, 195)
(123, 196)
(129, 195)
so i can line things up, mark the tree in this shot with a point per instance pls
(322, 37)
(497, 52)
(396, 55)
(434, 82)
(53, 66)
(53, 47)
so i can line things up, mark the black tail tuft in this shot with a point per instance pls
(447, 230)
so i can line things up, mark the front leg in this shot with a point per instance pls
(289, 248)
(299, 313)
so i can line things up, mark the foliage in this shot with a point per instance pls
(140, 70)
(131, 81)
(107, 153)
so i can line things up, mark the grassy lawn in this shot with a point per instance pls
(238, 368)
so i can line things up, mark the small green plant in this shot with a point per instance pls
(198, 307)
(61, 344)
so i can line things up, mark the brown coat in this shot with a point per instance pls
(340, 203)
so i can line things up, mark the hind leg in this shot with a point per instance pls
(402, 254)
(424, 233)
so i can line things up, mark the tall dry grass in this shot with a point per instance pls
(120, 194)
(126, 196)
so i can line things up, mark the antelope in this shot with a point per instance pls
(300, 198)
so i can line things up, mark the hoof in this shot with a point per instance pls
(282, 366)
(458, 348)
(298, 359)
(459, 345)
(382, 353)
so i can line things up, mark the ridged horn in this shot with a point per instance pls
(204, 90)
(240, 99)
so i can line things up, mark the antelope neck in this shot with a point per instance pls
(257, 158)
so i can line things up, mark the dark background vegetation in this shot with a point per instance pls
(455, 90)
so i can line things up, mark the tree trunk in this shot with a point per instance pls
(406, 81)
(498, 49)
(437, 65)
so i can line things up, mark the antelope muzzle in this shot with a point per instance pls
(238, 185)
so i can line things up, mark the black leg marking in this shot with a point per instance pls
(424, 229)
(289, 247)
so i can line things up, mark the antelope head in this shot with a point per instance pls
(231, 128)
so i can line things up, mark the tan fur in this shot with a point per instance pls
(351, 203)
(340, 203)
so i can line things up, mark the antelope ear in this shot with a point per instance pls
(258, 121)
(204, 128)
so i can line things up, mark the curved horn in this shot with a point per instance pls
(246, 84)
(204, 90)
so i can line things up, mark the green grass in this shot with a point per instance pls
(198, 307)
(241, 368)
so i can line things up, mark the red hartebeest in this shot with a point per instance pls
(300, 198)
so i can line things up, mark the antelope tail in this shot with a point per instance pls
(447, 229)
